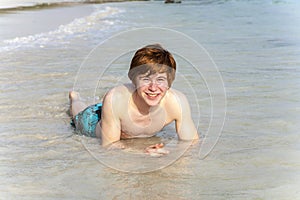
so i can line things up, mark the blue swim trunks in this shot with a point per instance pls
(86, 121)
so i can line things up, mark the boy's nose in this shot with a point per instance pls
(152, 86)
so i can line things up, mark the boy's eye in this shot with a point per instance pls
(161, 79)
(145, 79)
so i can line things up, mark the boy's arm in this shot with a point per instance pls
(110, 122)
(185, 126)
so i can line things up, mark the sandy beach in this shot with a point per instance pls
(17, 20)
(30, 22)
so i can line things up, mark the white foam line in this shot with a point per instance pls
(77, 26)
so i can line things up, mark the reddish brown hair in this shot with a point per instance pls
(152, 59)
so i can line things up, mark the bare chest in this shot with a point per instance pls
(136, 125)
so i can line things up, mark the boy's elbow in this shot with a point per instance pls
(194, 136)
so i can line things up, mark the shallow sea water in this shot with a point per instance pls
(256, 48)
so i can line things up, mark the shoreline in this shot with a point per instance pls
(23, 21)
(39, 6)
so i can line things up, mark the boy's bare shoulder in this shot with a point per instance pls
(171, 100)
(118, 96)
(175, 101)
(174, 94)
(120, 91)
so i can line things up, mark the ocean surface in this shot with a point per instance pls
(238, 64)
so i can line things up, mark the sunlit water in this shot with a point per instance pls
(256, 47)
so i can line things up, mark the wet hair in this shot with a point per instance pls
(152, 59)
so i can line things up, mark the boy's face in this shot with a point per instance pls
(152, 88)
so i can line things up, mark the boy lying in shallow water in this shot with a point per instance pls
(139, 109)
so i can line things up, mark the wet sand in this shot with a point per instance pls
(30, 22)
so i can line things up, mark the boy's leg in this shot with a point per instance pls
(76, 105)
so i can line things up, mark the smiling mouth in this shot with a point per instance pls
(152, 95)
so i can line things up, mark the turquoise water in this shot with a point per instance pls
(256, 48)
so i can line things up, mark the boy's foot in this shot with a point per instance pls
(73, 96)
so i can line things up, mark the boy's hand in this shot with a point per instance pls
(156, 150)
